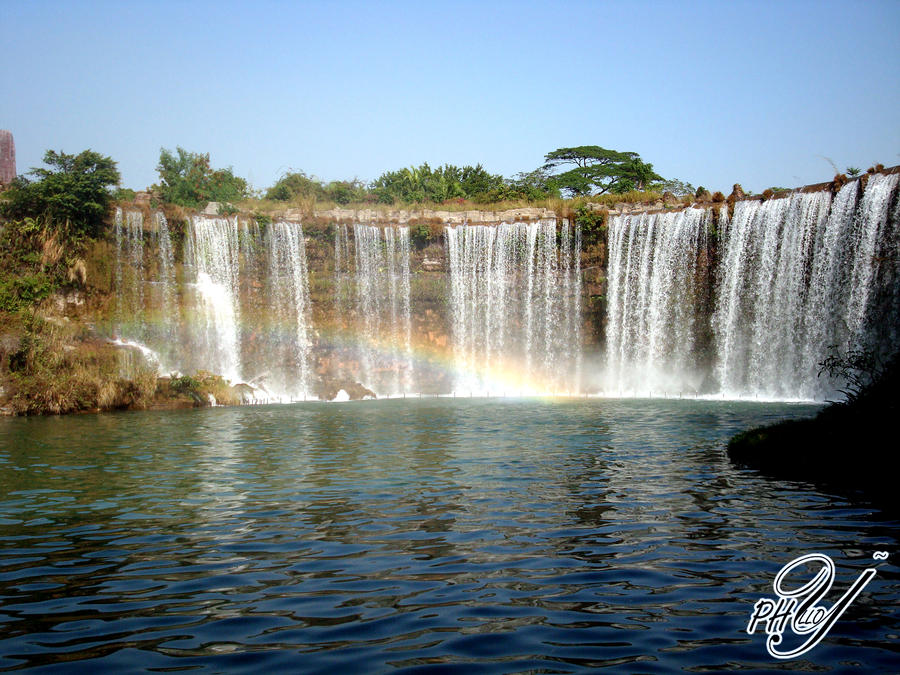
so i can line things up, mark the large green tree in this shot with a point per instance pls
(186, 178)
(596, 170)
(73, 194)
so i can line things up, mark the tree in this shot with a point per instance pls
(679, 188)
(535, 185)
(73, 195)
(598, 170)
(295, 184)
(188, 179)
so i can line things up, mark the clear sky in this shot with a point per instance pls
(712, 93)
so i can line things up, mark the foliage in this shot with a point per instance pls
(124, 194)
(187, 179)
(592, 222)
(200, 385)
(73, 195)
(858, 368)
(415, 185)
(420, 236)
(345, 191)
(853, 171)
(33, 263)
(50, 373)
(295, 184)
(19, 292)
(184, 384)
(532, 186)
(676, 187)
(599, 170)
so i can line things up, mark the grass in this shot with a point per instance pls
(54, 370)
(308, 206)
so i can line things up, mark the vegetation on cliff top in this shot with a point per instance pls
(72, 196)
(188, 179)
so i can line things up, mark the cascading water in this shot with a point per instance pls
(162, 332)
(797, 280)
(515, 302)
(129, 229)
(383, 307)
(698, 302)
(146, 308)
(212, 257)
(290, 340)
(657, 280)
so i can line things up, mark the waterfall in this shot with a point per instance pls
(741, 301)
(147, 312)
(212, 256)
(162, 333)
(342, 271)
(654, 301)
(383, 307)
(290, 339)
(129, 230)
(797, 279)
(515, 307)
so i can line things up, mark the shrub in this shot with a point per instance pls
(73, 195)
(420, 236)
(592, 222)
(295, 184)
(187, 179)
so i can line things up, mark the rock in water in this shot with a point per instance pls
(7, 157)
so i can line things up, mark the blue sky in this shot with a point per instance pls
(710, 92)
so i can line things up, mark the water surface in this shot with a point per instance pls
(433, 534)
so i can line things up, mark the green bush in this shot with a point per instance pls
(73, 195)
(187, 179)
(415, 185)
(20, 292)
(593, 223)
(295, 184)
(420, 236)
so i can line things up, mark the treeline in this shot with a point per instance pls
(567, 172)
(188, 179)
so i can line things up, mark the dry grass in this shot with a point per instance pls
(55, 372)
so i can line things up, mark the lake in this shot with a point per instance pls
(439, 535)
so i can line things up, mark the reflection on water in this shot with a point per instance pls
(505, 535)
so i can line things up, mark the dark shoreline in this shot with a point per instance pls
(843, 448)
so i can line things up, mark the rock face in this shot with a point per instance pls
(7, 157)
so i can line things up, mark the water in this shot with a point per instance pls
(489, 536)
(515, 292)
(212, 253)
(383, 307)
(657, 285)
(697, 302)
(752, 311)
(288, 348)
(146, 310)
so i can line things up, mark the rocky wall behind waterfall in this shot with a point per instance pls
(741, 301)
(795, 280)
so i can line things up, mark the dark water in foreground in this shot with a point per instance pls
(468, 536)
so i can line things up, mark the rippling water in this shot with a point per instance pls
(488, 536)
